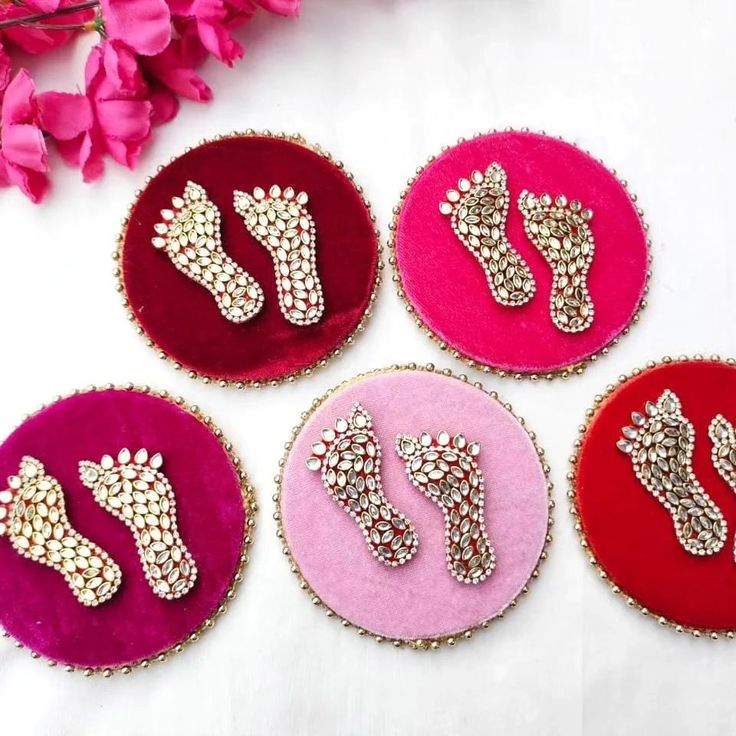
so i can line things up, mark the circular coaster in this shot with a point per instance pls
(250, 259)
(89, 593)
(653, 492)
(447, 498)
(475, 252)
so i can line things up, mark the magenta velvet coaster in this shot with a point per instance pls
(420, 599)
(448, 288)
(37, 608)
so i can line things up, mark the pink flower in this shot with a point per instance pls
(164, 104)
(143, 25)
(210, 22)
(289, 8)
(174, 69)
(39, 40)
(41, 6)
(4, 70)
(22, 148)
(112, 117)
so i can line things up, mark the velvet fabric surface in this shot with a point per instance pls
(419, 599)
(448, 288)
(36, 606)
(629, 531)
(181, 317)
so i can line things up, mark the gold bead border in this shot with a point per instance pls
(249, 504)
(590, 415)
(291, 377)
(565, 372)
(416, 644)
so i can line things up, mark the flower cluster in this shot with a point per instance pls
(147, 58)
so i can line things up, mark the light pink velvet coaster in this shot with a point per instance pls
(36, 606)
(448, 288)
(419, 600)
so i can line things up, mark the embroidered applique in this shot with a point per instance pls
(33, 517)
(559, 230)
(478, 209)
(660, 444)
(190, 236)
(279, 220)
(349, 458)
(446, 471)
(135, 490)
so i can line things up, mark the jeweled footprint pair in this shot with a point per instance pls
(278, 220)
(660, 444)
(33, 517)
(559, 229)
(443, 468)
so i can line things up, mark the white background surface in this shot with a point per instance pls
(648, 86)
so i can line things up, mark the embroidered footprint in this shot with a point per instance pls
(560, 232)
(723, 452)
(660, 444)
(279, 220)
(478, 211)
(33, 517)
(190, 235)
(349, 458)
(445, 471)
(137, 492)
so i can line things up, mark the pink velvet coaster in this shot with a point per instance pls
(447, 286)
(420, 599)
(38, 609)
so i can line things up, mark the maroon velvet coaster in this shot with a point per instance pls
(131, 494)
(262, 267)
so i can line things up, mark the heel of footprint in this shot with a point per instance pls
(190, 235)
(133, 489)
(280, 221)
(660, 443)
(446, 471)
(478, 209)
(560, 232)
(33, 517)
(349, 459)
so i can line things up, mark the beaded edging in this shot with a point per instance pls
(291, 377)
(249, 505)
(590, 415)
(416, 644)
(565, 372)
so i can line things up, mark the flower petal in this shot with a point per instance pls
(64, 116)
(144, 25)
(23, 145)
(19, 104)
(289, 8)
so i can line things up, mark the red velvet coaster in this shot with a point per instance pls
(182, 319)
(628, 530)
(479, 280)
(188, 474)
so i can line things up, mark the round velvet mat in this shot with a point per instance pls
(448, 288)
(36, 606)
(420, 599)
(629, 532)
(181, 317)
